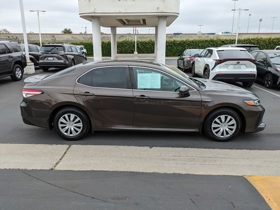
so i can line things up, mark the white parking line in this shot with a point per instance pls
(275, 94)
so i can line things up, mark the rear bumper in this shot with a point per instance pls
(235, 77)
(55, 64)
(34, 117)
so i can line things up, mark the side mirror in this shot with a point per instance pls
(196, 55)
(184, 91)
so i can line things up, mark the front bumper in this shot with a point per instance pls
(254, 120)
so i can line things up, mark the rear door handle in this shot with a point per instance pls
(86, 94)
(142, 96)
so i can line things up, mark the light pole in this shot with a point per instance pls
(29, 69)
(135, 32)
(238, 23)
(260, 20)
(273, 19)
(38, 16)
(248, 23)
(200, 28)
(233, 15)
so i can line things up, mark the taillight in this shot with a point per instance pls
(26, 92)
(219, 61)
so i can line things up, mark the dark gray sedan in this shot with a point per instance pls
(134, 95)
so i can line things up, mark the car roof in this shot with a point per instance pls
(226, 48)
(240, 45)
(129, 62)
(268, 51)
(46, 45)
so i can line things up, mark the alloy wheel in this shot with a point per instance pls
(70, 124)
(224, 126)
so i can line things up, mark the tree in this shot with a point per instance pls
(4, 31)
(67, 31)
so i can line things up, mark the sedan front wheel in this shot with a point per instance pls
(222, 125)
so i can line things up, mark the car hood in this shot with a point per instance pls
(222, 88)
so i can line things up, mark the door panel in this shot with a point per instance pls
(158, 104)
(155, 109)
(109, 108)
(107, 95)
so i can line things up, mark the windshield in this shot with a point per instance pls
(275, 58)
(180, 74)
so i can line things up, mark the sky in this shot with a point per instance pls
(213, 16)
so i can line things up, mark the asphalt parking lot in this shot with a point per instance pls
(65, 187)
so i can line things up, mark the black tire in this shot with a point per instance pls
(45, 68)
(222, 124)
(17, 72)
(71, 124)
(247, 84)
(71, 63)
(206, 73)
(268, 80)
(193, 71)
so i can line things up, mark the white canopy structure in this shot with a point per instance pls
(129, 13)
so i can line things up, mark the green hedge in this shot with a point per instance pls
(176, 47)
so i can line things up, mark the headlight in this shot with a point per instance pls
(256, 102)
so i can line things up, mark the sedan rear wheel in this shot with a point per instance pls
(222, 125)
(71, 124)
(268, 80)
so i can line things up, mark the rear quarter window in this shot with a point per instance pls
(3, 49)
(107, 77)
(227, 54)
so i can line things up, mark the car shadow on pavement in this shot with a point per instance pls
(32, 135)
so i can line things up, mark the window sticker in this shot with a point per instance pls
(148, 80)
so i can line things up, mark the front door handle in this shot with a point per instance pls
(86, 93)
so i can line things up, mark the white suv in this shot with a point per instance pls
(226, 64)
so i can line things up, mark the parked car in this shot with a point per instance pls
(12, 60)
(80, 52)
(228, 64)
(268, 67)
(134, 95)
(277, 48)
(186, 60)
(59, 56)
(225, 33)
(248, 47)
(34, 53)
(83, 49)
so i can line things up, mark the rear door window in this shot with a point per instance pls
(107, 77)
